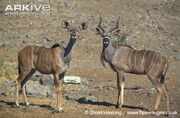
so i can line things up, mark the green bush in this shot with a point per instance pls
(121, 39)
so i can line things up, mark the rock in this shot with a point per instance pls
(72, 80)
(32, 88)
(84, 81)
(28, 36)
(3, 45)
(47, 80)
(1, 88)
(159, 27)
(7, 87)
(175, 50)
(24, 41)
(48, 39)
(36, 89)
(37, 75)
(172, 44)
(66, 4)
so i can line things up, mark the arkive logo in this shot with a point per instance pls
(18, 9)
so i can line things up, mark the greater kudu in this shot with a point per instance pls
(126, 59)
(54, 60)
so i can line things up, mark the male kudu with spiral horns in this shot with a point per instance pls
(126, 59)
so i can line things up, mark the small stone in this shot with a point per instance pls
(175, 50)
(37, 74)
(172, 44)
(23, 41)
(48, 39)
(72, 80)
(159, 27)
(152, 89)
(66, 4)
(27, 36)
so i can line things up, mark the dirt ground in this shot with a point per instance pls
(150, 24)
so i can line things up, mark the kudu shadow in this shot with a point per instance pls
(98, 103)
(85, 101)
(48, 107)
(23, 106)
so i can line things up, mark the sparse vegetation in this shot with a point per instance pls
(121, 39)
(8, 70)
(149, 24)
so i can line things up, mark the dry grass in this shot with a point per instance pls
(8, 70)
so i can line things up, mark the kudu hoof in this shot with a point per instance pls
(17, 104)
(27, 104)
(118, 106)
(61, 110)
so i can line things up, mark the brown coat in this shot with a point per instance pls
(45, 60)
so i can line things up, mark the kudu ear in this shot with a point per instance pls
(66, 24)
(84, 25)
(117, 32)
(98, 31)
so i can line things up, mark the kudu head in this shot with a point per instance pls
(74, 30)
(109, 35)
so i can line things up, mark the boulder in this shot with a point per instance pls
(47, 80)
(36, 89)
(7, 87)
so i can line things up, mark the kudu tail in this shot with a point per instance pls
(19, 69)
(162, 78)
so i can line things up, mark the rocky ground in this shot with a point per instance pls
(150, 24)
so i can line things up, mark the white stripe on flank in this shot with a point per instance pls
(154, 59)
(129, 64)
(135, 61)
(143, 59)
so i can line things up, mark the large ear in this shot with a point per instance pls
(66, 24)
(117, 32)
(84, 25)
(98, 31)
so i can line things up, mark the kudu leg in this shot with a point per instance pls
(158, 98)
(156, 83)
(120, 86)
(167, 96)
(17, 91)
(58, 87)
(61, 76)
(18, 80)
(23, 86)
(24, 96)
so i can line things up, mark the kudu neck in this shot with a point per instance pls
(69, 49)
(109, 51)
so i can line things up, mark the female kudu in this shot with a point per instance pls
(54, 60)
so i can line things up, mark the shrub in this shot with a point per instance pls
(121, 39)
